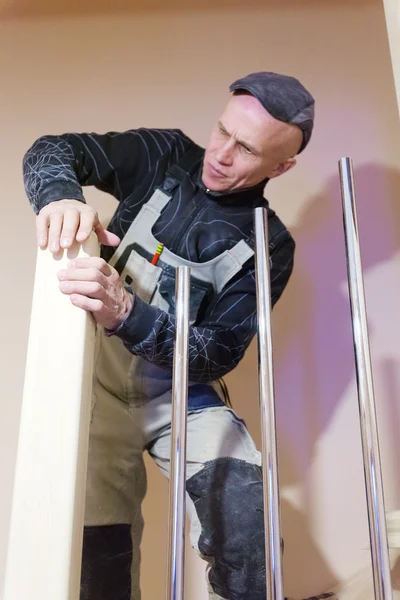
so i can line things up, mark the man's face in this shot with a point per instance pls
(247, 145)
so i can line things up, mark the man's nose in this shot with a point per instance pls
(224, 154)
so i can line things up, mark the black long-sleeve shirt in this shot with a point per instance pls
(197, 225)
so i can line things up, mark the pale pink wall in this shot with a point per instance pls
(172, 69)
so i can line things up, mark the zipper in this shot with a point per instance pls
(186, 223)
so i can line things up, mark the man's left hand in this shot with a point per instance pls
(95, 286)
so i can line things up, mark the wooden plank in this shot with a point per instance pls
(392, 13)
(45, 544)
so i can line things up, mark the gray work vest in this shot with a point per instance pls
(129, 376)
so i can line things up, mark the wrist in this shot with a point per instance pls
(56, 191)
(127, 304)
(126, 309)
(129, 300)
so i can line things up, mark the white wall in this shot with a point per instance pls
(173, 69)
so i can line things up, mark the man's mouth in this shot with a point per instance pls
(215, 171)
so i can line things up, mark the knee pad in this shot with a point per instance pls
(228, 497)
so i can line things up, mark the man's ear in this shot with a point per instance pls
(284, 167)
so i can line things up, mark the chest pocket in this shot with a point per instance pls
(200, 293)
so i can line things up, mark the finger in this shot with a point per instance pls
(86, 225)
(106, 237)
(91, 262)
(91, 289)
(70, 227)
(93, 275)
(90, 304)
(56, 221)
(42, 228)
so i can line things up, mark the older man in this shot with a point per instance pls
(178, 204)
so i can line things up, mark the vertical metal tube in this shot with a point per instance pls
(177, 486)
(366, 400)
(274, 579)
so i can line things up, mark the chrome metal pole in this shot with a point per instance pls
(273, 557)
(366, 399)
(177, 485)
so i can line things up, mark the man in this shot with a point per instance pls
(178, 204)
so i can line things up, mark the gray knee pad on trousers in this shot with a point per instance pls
(106, 563)
(228, 497)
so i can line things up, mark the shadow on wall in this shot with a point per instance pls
(314, 347)
(313, 351)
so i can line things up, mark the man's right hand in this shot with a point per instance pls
(61, 223)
